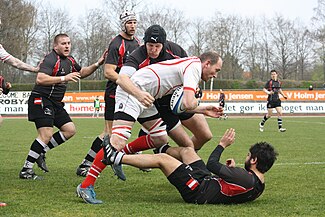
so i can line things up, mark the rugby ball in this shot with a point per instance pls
(176, 101)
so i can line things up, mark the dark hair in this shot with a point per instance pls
(265, 154)
(210, 55)
(56, 38)
(273, 70)
(155, 34)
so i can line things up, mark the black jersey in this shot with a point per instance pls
(229, 184)
(55, 65)
(274, 86)
(139, 58)
(118, 51)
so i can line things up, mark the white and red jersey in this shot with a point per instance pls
(163, 78)
(4, 55)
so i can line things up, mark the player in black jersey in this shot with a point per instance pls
(222, 103)
(45, 106)
(157, 49)
(214, 183)
(273, 89)
(119, 50)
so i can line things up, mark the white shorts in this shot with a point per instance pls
(128, 104)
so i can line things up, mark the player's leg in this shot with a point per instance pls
(200, 129)
(279, 112)
(84, 167)
(266, 116)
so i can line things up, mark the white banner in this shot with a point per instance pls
(16, 103)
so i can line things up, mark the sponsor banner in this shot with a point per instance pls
(251, 95)
(16, 103)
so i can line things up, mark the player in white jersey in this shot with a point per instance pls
(153, 82)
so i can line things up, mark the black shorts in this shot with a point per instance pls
(109, 106)
(46, 113)
(273, 104)
(171, 120)
(187, 180)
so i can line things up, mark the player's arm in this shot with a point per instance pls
(213, 163)
(284, 95)
(13, 61)
(267, 92)
(45, 79)
(128, 86)
(86, 71)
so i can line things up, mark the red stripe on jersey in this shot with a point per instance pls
(230, 189)
(192, 183)
(158, 81)
(5, 58)
(189, 88)
(73, 62)
(171, 53)
(56, 67)
(145, 63)
(37, 101)
(195, 59)
(121, 52)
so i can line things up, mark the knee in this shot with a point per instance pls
(206, 136)
(187, 151)
(70, 132)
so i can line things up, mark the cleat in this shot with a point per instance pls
(110, 158)
(29, 174)
(118, 171)
(83, 170)
(282, 130)
(88, 194)
(41, 163)
(261, 127)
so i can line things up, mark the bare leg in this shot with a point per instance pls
(166, 163)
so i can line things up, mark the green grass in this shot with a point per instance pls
(294, 186)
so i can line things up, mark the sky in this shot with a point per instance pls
(291, 9)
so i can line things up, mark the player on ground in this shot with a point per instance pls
(153, 82)
(272, 88)
(214, 183)
(45, 106)
(119, 50)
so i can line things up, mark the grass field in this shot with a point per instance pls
(295, 186)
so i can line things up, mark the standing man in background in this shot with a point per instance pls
(272, 88)
(45, 106)
(118, 51)
(96, 107)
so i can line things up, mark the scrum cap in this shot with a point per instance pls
(126, 16)
(155, 34)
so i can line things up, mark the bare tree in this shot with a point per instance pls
(52, 21)
(93, 38)
(197, 36)
(282, 34)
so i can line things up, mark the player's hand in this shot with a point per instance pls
(228, 138)
(213, 111)
(1, 90)
(230, 162)
(101, 60)
(145, 99)
(74, 76)
(8, 85)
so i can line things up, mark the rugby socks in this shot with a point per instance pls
(95, 148)
(35, 150)
(96, 169)
(280, 123)
(264, 120)
(56, 140)
(140, 144)
(161, 149)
